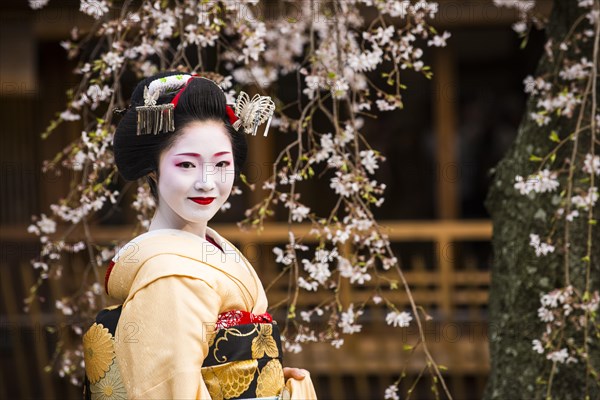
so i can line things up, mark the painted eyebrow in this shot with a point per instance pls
(199, 156)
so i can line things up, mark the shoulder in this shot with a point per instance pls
(156, 254)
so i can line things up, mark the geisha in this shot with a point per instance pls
(193, 323)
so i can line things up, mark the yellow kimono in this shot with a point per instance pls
(163, 342)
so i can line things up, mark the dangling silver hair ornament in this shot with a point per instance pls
(152, 118)
(253, 113)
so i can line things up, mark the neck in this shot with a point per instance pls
(161, 221)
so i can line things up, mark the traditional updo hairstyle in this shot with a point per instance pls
(137, 156)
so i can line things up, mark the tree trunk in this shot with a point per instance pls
(519, 277)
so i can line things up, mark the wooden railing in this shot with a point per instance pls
(449, 282)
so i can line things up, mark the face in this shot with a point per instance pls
(196, 175)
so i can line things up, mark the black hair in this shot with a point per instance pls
(202, 100)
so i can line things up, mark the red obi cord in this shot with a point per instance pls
(238, 317)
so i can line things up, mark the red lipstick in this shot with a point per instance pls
(202, 200)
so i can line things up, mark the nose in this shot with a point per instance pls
(206, 178)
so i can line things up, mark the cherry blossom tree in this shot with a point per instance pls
(544, 325)
(335, 54)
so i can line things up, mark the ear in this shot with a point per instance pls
(152, 175)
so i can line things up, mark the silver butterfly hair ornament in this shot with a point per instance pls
(253, 113)
(155, 119)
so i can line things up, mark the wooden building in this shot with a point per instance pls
(439, 148)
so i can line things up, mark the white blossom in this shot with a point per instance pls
(559, 356)
(541, 249)
(312, 85)
(93, 8)
(113, 60)
(340, 236)
(226, 206)
(292, 347)
(46, 225)
(319, 271)
(164, 30)
(556, 297)
(542, 182)
(540, 118)
(366, 60)
(202, 38)
(255, 75)
(42, 265)
(97, 288)
(368, 160)
(439, 41)
(148, 68)
(37, 4)
(401, 319)
(69, 115)
(586, 201)
(522, 6)
(389, 262)
(62, 306)
(348, 320)
(253, 43)
(310, 286)
(591, 164)
(342, 184)
(577, 71)
(339, 88)
(535, 86)
(545, 315)
(537, 346)
(97, 94)
(391, 393)
(384, 105)
(572, 215)
(305, 315)
(519, 27)
(77, 247)
(593, 17)
(281, 257)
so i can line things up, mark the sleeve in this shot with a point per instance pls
(301, 389)
(162, 338)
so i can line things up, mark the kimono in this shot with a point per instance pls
(192, 325)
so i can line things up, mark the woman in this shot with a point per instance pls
(193, 321)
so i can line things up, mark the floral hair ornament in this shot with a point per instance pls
(155, 119)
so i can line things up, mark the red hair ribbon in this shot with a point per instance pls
(228, 109)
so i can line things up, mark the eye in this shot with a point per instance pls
(222, 164)
(186, 165)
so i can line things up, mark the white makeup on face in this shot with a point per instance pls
(196, 175)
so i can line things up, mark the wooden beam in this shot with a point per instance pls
(445, 116)
(278, 232)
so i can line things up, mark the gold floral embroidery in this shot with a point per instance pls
(264, 343)
(110, 387)
(224, 338)
(212, 383)
(270, 381)
(232, 379)
(98, 352)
